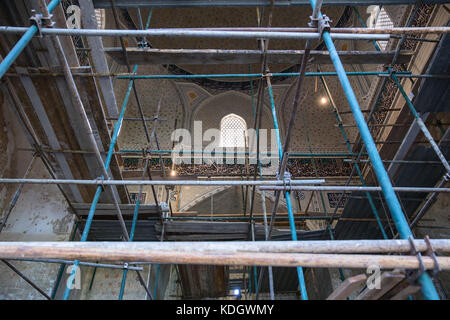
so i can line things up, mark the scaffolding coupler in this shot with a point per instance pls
(41, 21)
(286, 180)
(142, 43)
(432, 254)
(322, 23)
(413, 275)
(101, 182)
(447, 177)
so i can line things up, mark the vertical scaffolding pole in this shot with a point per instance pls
(100, 188)
(146, 169)
(104, 165)
(349, 147)
(257, 118)
(428, 289)
(287, 194)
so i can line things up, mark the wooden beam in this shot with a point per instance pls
(106, 210)
(406, 292)
(204, 227)
(388, 281)
(142, 252)
(347, 287)
(221, 215)
(219, 56)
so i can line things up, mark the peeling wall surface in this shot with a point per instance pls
(41, 214)
(104, 284)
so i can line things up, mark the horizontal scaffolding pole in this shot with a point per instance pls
(247, 3)
(235, 253)
(279, 219)
(392, 30)
(134, 76)
(310, 246)
(162, 182)
(368, 111)
(86, 264)
(187, 33)
(397, 161)
(253, 154)
(241, 218)
(135, 119)
(351, 188)
(387, 125)
(131, 151)
(255, 75)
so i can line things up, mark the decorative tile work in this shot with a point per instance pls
(230, 17)
(192, 102)
(334, 197)
(132, 134)
(191, 94)
(320, 120)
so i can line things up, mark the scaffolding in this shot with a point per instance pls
(326, 253)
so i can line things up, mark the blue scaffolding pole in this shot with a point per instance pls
(22, 43)
(428, 289)
(138, 200)
(287, 194)
(99, 190)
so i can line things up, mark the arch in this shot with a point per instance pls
(211, 111)
(206, 198)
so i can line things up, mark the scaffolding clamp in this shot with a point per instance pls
(143, 43)
(322, 23)
(41, 21)
(287, 181)
(100, 182)
(447, 177)
(432, 254)
(125, 266)
(391, 71)
(413, 275)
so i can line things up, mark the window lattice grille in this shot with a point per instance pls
(232, 131)
(383, 21)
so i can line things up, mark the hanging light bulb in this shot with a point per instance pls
(323, 100)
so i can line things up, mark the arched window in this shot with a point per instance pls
(379, 18)
(100, 17)
(233, 130)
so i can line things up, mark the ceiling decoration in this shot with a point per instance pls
(228, 17)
